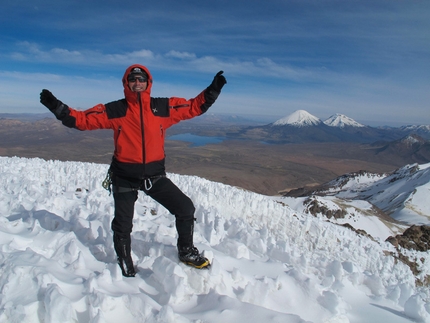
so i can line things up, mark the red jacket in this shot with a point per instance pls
(139, 123)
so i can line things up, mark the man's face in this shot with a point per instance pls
(137, 83)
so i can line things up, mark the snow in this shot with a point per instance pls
(299, 118)
(341, 121)
(270, 262)
(359, 214)
(410, 140)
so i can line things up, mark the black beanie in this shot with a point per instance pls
(138, 71)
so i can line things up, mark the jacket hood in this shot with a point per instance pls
(127, 92)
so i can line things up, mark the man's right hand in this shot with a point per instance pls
(58, 108)
(49, 100)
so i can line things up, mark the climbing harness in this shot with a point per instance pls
(107, 183)
(147, 184)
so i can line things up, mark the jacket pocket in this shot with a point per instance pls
(186, 105)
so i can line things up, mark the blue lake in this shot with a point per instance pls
(196, 140)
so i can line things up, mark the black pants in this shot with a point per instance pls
(162, 190)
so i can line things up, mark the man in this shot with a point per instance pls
(139, 122)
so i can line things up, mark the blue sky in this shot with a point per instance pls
(369, 60)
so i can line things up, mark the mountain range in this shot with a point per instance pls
(412, 146)
(303, 127)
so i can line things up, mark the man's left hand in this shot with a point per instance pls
(218, 82)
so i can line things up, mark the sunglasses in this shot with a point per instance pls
(137, 78)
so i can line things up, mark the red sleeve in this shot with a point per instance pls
(182, 109)
(91, 119)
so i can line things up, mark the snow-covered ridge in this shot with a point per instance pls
(402, 194)
(271, 262)
(416, 127)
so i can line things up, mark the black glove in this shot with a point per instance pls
(218, 82)
(48, 100)
(52, 103)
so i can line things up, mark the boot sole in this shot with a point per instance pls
(205, 265)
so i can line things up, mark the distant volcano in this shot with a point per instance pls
(299, 118)
(341, 121)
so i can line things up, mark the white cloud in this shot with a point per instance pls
(19, 92)
(181, 55)
(264, 67)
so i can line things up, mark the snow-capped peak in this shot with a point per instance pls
(412, 139)
(341, 121)
(299, 118)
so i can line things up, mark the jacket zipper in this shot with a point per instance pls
(117, 137)
(94, 112)
(142, 131)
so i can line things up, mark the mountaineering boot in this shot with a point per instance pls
(191, 257)
(126, 265)
(187, 253)
(123, 251)
(185, 230)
